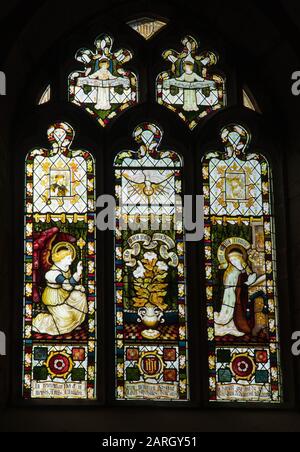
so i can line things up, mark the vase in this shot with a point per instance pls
(150, 316)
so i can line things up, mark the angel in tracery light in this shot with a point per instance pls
(105, 88)
(189, 87)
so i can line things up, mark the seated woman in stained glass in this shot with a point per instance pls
(64, 297)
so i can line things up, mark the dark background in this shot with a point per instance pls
(261, 40)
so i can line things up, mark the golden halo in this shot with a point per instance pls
(230, 244)
(237, 248)
(65, 246)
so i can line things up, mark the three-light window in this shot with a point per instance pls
(151, 270)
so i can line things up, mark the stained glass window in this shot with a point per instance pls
(46, 96)
(147, 27)
(104, 87)
(191, 89)
(240, 265)
(249, 102)
(150, 290)
(60, 291)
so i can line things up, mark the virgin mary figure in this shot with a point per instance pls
(63, 296)
(233, 319)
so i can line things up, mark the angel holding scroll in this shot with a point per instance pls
(188, 82)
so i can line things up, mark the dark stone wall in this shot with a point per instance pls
(263, 43)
